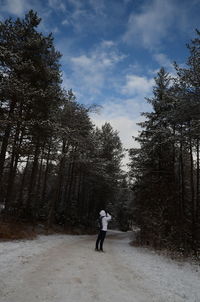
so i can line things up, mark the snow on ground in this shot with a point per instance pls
(64, 268)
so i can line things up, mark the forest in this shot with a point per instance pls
(165, 168)
(57, 168)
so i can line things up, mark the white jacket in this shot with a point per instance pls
(106, 218)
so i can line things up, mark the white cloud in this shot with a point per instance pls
(15, 7)
(97, 60)
(151, 25)
(88, 16)
(76, 3)
(163, 60)
(123, 118)
(108, 43)
(159, 20)
(137, 85)
(57, 5)
(98, 5)
(79, 19)
(65, 22)
(90, 71)
(20, 7)
(125, 112)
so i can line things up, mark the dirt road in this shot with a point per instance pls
(62, 268)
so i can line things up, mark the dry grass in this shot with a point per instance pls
(11, 230)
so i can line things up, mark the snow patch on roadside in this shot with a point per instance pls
(174, 280)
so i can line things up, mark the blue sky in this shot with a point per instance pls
(112, 49)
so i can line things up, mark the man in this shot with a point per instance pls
(103, 219)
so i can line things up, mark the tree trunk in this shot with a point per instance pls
(182, 210)
(182, 184)
(192, 197)
(32, 183)
(79, 193)
(20, 201)
(38, 187)
(69, 185)
(197, 185)
(13, 164)
(46, 174)
(5, 143)
(57, 196)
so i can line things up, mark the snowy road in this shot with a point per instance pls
(63, 268)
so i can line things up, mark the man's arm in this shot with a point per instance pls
(108, 217)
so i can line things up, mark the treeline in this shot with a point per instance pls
(165, 168)
(55, 166)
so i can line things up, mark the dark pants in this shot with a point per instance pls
(100, 238)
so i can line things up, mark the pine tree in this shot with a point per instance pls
(153, 167)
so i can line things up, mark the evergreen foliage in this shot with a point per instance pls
(55, 166)
(165, 169)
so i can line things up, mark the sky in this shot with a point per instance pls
(112, 50)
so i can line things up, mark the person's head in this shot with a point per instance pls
(102, 213)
